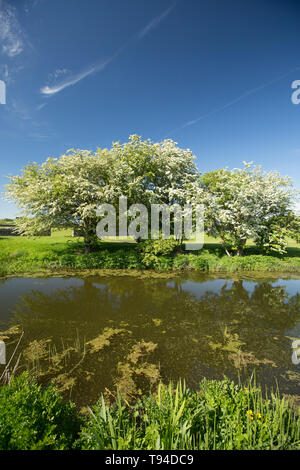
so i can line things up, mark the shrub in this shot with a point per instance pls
(200, 263)
(32, 417)
(181, 261)
(152, 250)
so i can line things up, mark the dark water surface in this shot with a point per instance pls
(91, 334)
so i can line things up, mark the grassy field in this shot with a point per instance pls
(61, 251)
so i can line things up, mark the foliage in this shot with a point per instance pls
(221, 415)
(32, 417)
(66, 192)
(246, 203)
(294, 228)
(153, 251)
(148, 172)
(274, 238)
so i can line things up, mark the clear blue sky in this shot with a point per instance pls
(215, 76)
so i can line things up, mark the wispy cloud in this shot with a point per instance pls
(73, 79)
(234, 101)
(52, 90)
(11, 34)
(155, 22)
(29, 4)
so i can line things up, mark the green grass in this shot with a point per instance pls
(20, 255)
(219, 415)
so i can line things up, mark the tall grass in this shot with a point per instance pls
(220, 415)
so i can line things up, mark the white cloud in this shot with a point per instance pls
(41, 106)
(11, 34)
(234, 101)
(52, 90)
(5, 72)
(29, 4)
(155, 22)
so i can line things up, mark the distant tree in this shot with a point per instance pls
(247, 203)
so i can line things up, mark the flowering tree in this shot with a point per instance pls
(153, 173)
(62, 193)
(246, 203)
(66, 192)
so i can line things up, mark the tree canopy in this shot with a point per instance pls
(247, 203)
(239, 204)
(65, 192)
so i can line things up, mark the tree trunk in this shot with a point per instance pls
(225, 248)
(240, 250)
(89, 243)
(87, 249)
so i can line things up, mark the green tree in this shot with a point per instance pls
(246, 203)
(65, 192)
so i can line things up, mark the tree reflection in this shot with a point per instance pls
(190, 329)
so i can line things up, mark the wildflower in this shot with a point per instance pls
(246, 390)
(259, 415)
(250, 412)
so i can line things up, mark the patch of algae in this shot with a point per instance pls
(37, 350)
(140, 350)
(51, 365)
(10, 333)
(57, 358)
(232, 345)
(59, 366)
(292, 375)
(104, 339)
(45, 273)
(63, 382)
(136, 373)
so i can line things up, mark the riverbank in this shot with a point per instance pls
(63, 254)
(218, 416)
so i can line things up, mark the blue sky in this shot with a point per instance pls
(214, 76)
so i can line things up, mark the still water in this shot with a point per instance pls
(91, 334)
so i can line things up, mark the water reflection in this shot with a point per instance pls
(202, 326)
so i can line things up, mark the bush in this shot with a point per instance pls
(199, 263)
(32, 417)
(152, 250)
(220, 415)
(181, 261)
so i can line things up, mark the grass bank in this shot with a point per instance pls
(62, 253)
(218, 416)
